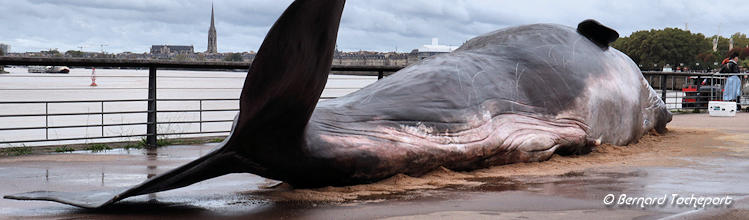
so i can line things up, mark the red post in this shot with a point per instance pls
(93, 76)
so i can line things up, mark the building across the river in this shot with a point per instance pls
(4, 49)
(172, 49)
(212, 48)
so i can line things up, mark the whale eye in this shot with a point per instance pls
(596, 32)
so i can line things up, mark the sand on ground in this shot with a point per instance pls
(653, 149)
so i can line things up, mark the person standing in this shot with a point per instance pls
(732, 89)
(732, 65)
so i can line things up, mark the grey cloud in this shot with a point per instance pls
(382, 25)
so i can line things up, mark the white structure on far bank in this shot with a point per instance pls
(434, 49)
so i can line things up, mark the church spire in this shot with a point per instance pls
(212, 35)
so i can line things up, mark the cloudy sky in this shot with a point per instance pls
(379, 25)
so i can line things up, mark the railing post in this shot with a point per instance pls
(380, 75)
(151, 127)
(201, 117)
(102, 119)
(712, 86)
(46, 120)
(663, 88)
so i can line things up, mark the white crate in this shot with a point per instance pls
(721, 109)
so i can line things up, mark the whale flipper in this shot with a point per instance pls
(281, 90)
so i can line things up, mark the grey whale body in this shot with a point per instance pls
(519, 94)
(515, 95)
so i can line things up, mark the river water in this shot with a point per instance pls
(117, 84)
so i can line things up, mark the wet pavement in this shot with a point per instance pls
(578, 194)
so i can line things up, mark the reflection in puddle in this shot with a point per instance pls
(151, 156)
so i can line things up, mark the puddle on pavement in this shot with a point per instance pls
(244, 193)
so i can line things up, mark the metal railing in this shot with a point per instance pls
(103, 124)
(152, 121)
(47, 116)
(692, 90)
(678, 90)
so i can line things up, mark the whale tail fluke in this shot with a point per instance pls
(282, 88)
(184, 175)
(290, 71)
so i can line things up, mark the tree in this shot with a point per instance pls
(740, 40)
(234, 57)
(180, 57)
(742, 52)
(51, 52)
(675, 46)
(706, 57)
(74, 53)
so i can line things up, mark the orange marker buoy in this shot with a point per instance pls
(93, 77)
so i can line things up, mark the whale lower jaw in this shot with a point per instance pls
(419, 148)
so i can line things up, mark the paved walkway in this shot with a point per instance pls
(577, 195)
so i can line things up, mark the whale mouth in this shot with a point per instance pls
(502, 139)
